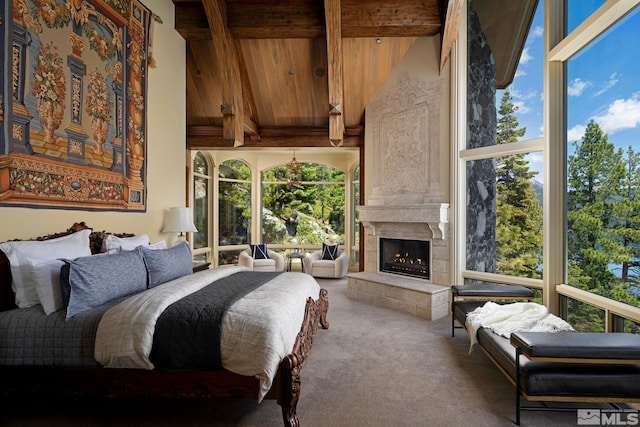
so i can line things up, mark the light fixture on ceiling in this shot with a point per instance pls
(294, 171)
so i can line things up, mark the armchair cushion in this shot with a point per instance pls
(329, 252)
(259, 251)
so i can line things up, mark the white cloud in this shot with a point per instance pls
(525, 57)
(577, 86)
(521, 73)
(576, 133)
(538, 31)
(613, 79)
(621, 114)
(521, 107)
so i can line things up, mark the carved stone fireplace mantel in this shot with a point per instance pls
(433, 215)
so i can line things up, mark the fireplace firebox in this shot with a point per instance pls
(405, 257)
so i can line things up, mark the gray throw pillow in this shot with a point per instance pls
(95, 280)
(164, 265)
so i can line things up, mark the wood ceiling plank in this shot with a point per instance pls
(334, 68)
(227, 59)
(367, 64)
(202, 84)
(294, 91)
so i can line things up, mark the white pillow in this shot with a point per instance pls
(46, 273)
(162, 244)
(19, 253)
(114, 244)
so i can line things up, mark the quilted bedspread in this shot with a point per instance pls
(257, 332)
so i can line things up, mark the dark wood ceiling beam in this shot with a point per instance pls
(210, 137)
(227, 58)
(259, 19)
(390, 18)
(334, 69)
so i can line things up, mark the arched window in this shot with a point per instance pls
(355, 215)
(201, 207)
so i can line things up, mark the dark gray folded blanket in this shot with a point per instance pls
(187, 333)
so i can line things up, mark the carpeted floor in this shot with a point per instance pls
(372, 367)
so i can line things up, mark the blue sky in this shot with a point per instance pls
(604, 82)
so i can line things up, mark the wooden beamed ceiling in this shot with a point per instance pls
(296, 73)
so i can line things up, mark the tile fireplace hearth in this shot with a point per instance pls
(406, 294)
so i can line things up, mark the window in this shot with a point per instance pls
(354, 215)
(234, 208)
(589, 143)
(503, 156)
(307, 213)
(603, 165)
(201, 207)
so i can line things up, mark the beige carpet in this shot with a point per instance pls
(372, 367)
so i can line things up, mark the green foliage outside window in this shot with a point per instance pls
(234, 198)
(307, 213)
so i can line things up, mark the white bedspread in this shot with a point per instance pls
(504, 319)
(258, 331)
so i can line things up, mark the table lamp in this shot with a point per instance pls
(180, 220)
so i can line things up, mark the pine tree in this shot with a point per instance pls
(595, 171)
(518, 210)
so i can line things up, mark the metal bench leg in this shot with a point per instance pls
(517, 386)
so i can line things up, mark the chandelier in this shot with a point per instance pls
(294, 171)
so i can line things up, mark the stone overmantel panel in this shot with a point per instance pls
(435, 216)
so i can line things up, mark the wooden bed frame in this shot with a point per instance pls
(112, 383)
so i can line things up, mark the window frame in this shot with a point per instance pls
(558, 49)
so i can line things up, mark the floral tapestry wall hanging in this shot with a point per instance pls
(73, 106)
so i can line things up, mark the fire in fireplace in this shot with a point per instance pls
(405, 257)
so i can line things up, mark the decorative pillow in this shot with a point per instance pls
(329, 252)
(259, 251)
(164, 265)
(94, 280)
(114, 244)
(19, 253)
(46, 273)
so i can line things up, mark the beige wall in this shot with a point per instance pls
(165, 151)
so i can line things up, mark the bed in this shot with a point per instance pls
(123, 343)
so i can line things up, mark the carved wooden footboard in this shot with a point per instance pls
(291, 366)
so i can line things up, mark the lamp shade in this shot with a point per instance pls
(180, 220)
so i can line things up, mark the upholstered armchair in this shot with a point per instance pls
(273, 262)
(335, 268)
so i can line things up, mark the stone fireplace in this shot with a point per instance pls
(406, 202)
